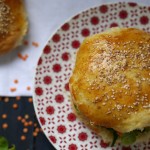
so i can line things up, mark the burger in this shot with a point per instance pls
(110, 85)
(13, 24)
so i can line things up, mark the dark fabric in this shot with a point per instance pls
(23, 107)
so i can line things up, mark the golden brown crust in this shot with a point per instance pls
(111, 78)
(13, 24)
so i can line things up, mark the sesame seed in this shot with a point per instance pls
(108, 112)
(119, 107)
(103, 103)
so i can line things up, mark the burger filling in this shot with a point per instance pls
(129, 137)
(126, 138)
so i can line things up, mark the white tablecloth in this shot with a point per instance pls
(45, 17)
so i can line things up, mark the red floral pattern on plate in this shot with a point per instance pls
(51, 93)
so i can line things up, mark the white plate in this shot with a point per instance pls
(51, 93)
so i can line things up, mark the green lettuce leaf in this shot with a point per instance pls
(3, 143)
(130, 137)
(76, 108)
(115, 136)
(12, 147)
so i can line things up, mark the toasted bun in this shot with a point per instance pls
(13, 24)
(106, 135)
(110, 84)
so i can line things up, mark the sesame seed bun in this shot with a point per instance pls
(13, 24)
(103, 132)
(111, 79)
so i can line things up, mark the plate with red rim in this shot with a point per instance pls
(51, 96)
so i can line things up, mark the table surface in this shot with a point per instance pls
(19, 125)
